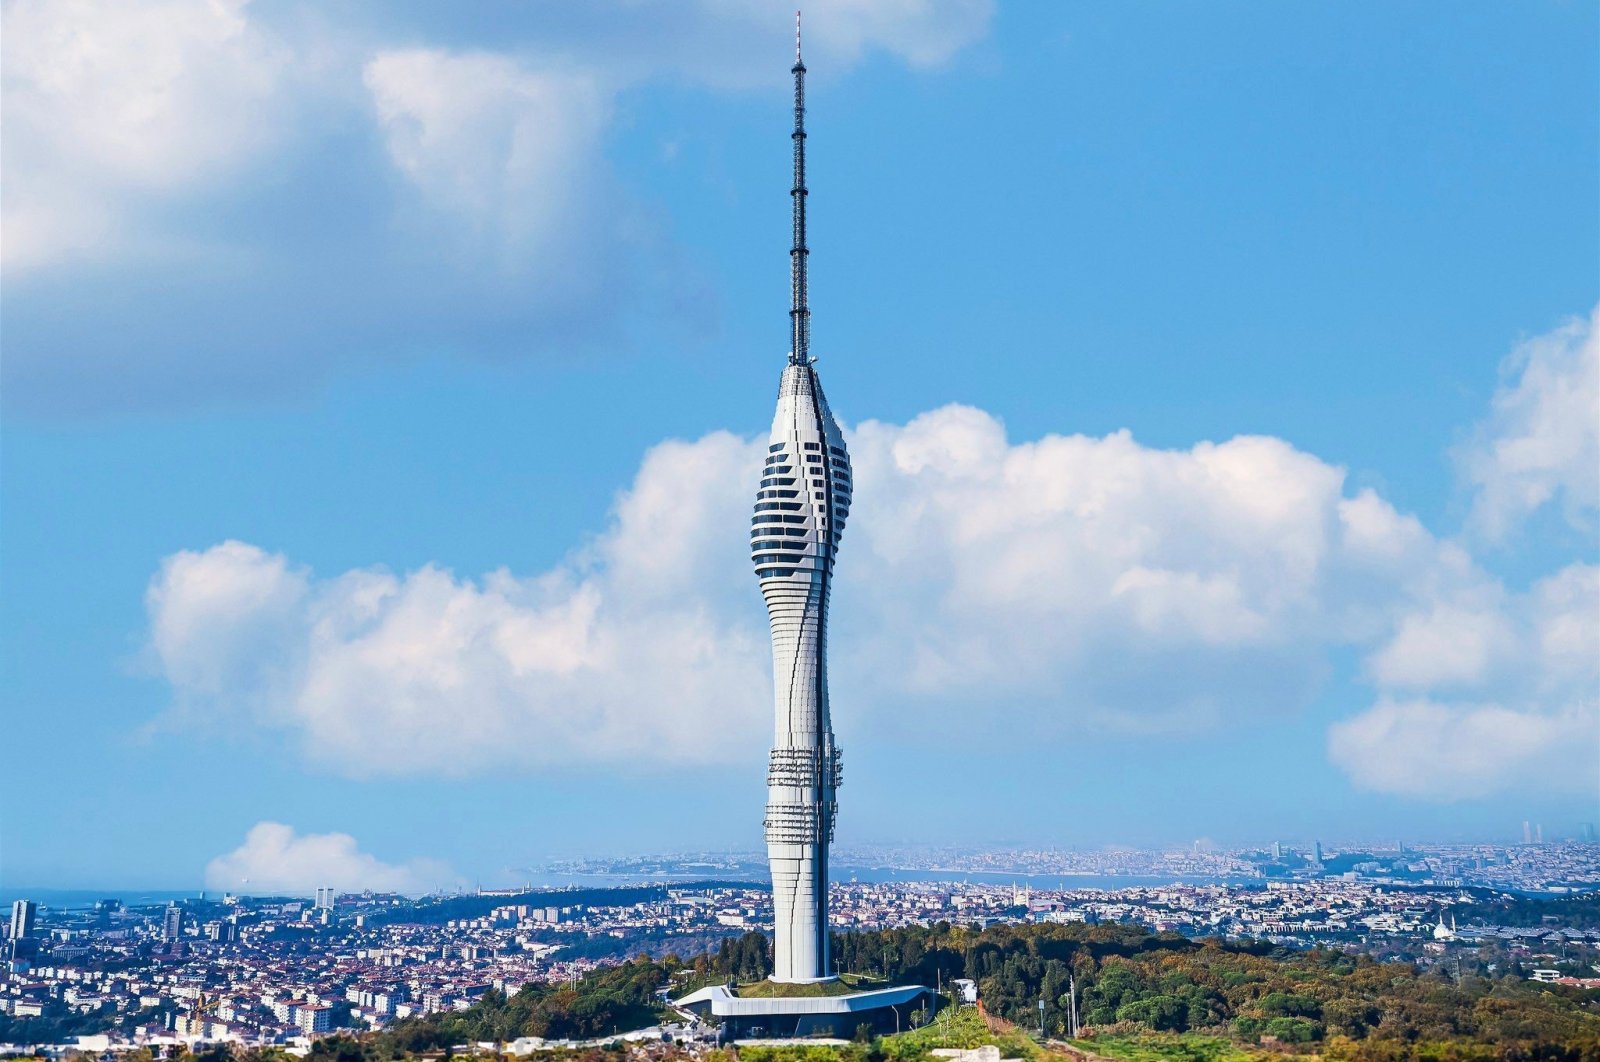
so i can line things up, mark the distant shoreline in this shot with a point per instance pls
(79, 899)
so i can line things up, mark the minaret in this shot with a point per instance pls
(800, 511)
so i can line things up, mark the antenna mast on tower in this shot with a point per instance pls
(799, 310)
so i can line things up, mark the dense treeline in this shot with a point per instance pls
(60, 1023)
(1128, 976)
(1128, 980)
(609, 1000)
(1581, 911)
(657, 943)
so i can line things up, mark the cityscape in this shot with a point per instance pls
(281, 971)
(390, 515)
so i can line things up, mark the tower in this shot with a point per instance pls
(801, 506)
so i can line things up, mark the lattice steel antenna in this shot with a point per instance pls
(799, 311)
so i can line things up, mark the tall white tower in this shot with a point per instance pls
(801, 507)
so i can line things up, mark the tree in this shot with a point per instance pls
(1294, 1030)
(1166, 1013)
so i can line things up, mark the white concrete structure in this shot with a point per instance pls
(886, 1009)
(801, 506)
(800, 514)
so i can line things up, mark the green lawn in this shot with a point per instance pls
(961, 1028)
(841, 987)
(1169, 1047)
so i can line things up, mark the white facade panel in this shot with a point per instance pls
(801, 509)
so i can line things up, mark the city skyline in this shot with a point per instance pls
(1221, 392)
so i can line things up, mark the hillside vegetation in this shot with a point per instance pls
(1140, 994)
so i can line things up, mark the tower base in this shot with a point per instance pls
(883, 1010)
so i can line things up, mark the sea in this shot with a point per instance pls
(74, 899)
(77, 899)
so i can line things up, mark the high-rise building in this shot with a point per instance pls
(800, 512)
(1538, 833)
(1527, 832)
(325, 897)
(23, 913)
(1587, 833)
(1277, 850)
(172, 923)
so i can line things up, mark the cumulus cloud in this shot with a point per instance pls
(1068, 582)
(1481, 688)
(1087, 579)
(921, 32)
(276, 860)
(1448, 752)
(109, 104)
(486, 139)
(1541, 442)
(213, 198)
(616, 655)
(1491, 692)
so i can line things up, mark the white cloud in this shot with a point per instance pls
(212, 199)
(1541, 442)
(275, 860)
(109, 104)
(1068, 583)
(509, 152)
(113, 110)
(1448, 645)
(922, 32)
(1447, 752)
(211, 612)
(615, 656)
(1525, 672)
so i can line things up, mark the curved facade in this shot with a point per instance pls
(801, 507)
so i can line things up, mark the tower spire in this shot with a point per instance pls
(799, 310)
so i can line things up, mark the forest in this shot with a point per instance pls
(1130, 981)
(1578, 912)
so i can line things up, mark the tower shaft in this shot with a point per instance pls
(800, 511)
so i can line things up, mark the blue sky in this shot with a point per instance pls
(1221, 383)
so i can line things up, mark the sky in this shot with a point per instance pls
(385, 387)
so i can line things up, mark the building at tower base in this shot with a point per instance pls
(883, 1010)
